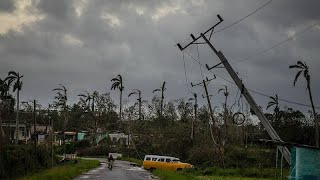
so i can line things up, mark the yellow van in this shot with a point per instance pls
(152, 162)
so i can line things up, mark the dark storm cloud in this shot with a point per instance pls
(6, 6)
(84, 48)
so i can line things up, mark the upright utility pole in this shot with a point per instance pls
(35, 130)
(51, 134)
(215, 133)
(225, 114)
(195, 99)
(273, 134)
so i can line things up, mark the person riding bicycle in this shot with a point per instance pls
(110, 160)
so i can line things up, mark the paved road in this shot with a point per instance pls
(122, 170)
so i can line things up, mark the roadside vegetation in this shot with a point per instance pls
(210, 139)
(204, 173)
(168, 175)
(66, 171)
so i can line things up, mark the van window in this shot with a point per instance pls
(154, 159)
(168, 160)
(161, 159)
(176, 160)
(148, 158)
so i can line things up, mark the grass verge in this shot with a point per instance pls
(229, 178)
(169, 175)
(64, 172)
(237, 172)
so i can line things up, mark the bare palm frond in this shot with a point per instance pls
(132, 93)
(274, 99)
(296, 77)
(295, 66)
(270, 104)
(13, 73)
(82, 95)
(301, 63)
(115, 79)
(156, 90)
(119, 77)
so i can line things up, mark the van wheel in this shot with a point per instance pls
(179, 169)
(152, 169)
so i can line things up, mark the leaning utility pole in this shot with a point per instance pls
(215, 133)
(273, 134)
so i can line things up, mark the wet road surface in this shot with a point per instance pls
(122, 170)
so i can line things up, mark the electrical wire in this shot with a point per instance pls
(200, 62)
(253, 91)
(279, 43)
(185, 75)
(243, 17)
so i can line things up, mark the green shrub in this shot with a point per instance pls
(20, 160)
(94, 151)
(67, 171)
(241, 157)
(82, 144)
(169, 175)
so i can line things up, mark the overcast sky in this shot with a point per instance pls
(83, 44)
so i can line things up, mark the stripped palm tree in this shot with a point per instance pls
(304, 69)
(137, 91)
(274, 102)
(162, 89)
(4, 97)
(15, 78)
(61, 101)
(117, 84)
(89, 100)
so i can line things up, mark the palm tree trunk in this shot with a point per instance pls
(17, 119)
(140, 109)
(225, 116)
(316, 123)
(120, 115)
(161, 104)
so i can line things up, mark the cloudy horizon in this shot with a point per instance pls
(83, 44)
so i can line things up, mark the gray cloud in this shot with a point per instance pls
(6, 5)
(85, 47)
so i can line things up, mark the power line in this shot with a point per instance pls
(243, 18)
(279, 43)
(253, 91)
(200, 62)
(284, 100)
(185, 73)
